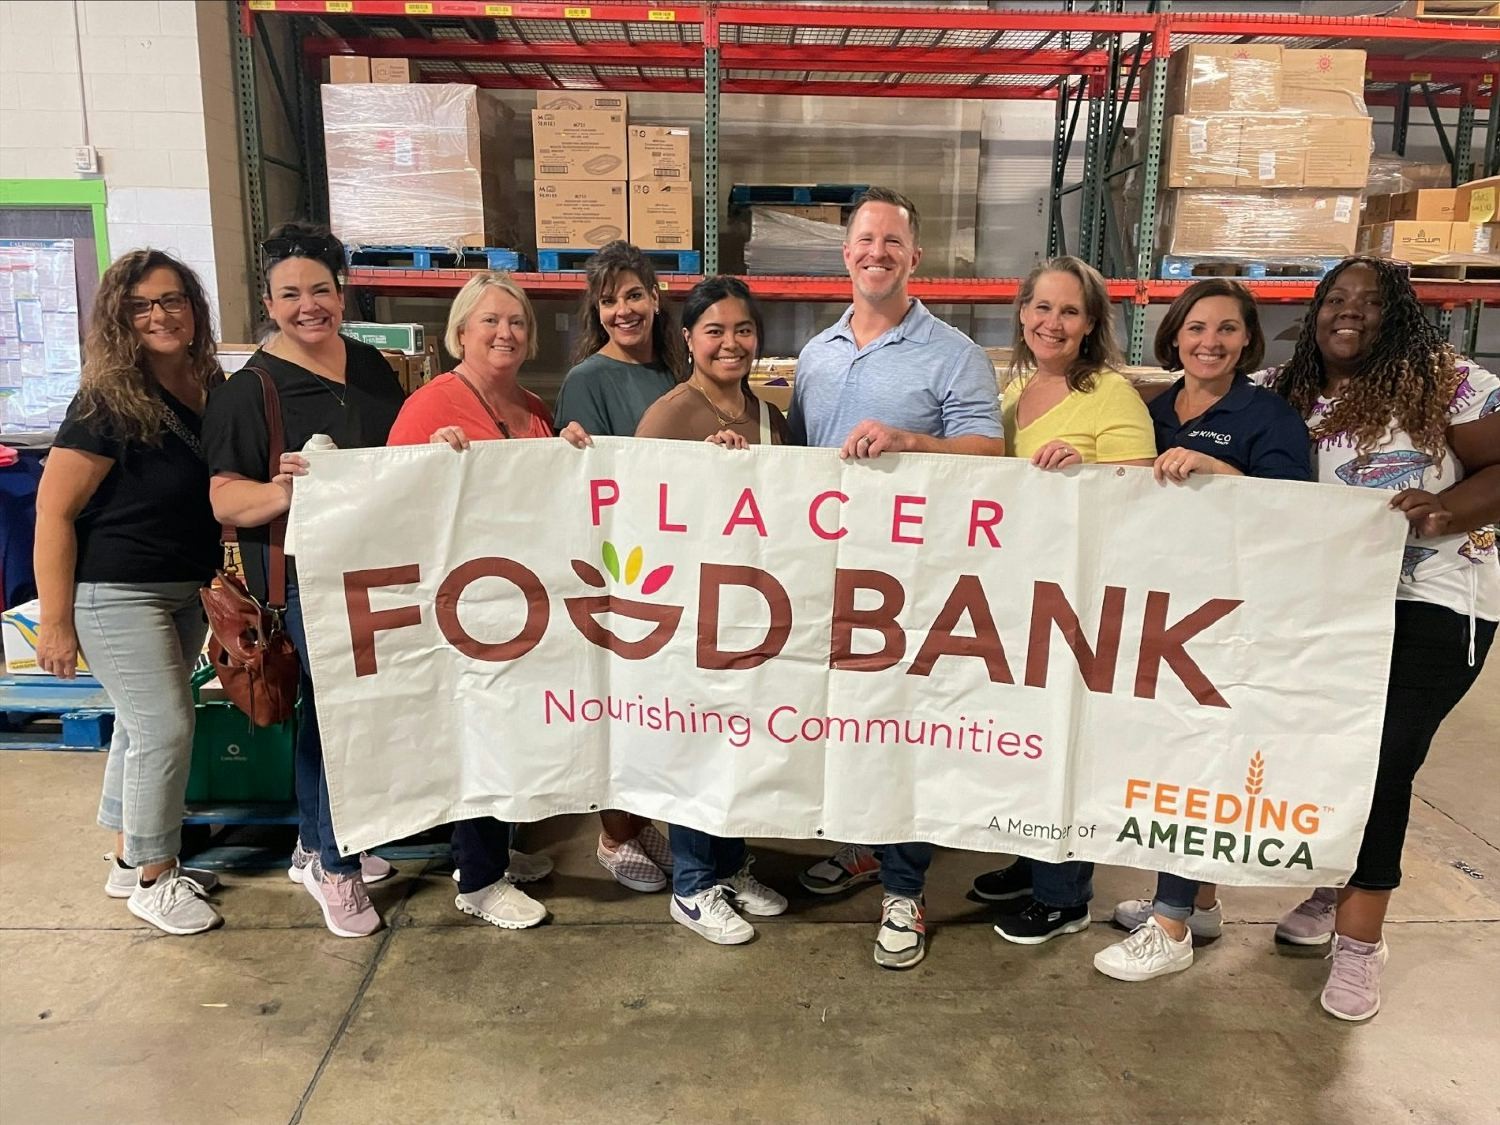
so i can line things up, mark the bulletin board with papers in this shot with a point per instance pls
(40, 350)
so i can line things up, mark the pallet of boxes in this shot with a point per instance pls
(601, 177)
(1265, 153)
(414, 167)
(1449, 232)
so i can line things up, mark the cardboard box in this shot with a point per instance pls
(1478, 201)
(1323, 81)
(346, 69)
(390, 70)
(661, 214)
(1337, 150)
(660, 152)
(414, 370)
(1261, 224)
(409, 339)
(423, 164)
(1273, 151)
(18, 629)
(580, 99)
(581, 144)
(1202, 151)
(1375, 209)
(577, 214)
(1425, 205)
(1224, 78)
(1411, 241)
(1474, 238)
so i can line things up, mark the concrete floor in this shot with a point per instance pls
(613, 1013)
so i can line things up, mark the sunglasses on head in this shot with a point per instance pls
(303, 246)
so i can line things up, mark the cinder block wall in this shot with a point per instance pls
(155, 97)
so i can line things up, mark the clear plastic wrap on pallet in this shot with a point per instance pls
(784, 243)
(1391, 174)
(1260, 225)
(1266, 150)
(1265, 78)
(417, 165)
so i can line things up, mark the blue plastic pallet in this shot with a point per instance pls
(436, 258)
(844, 194)
(664, 261)
(1175, 267)
(85, 714)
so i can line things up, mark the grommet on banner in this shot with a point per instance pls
(818, 831)
(593, 808)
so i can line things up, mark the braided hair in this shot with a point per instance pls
(1410, 374)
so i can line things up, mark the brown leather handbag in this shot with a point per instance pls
(255, 659)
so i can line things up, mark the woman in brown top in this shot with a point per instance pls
(722, 325)
(711, 880)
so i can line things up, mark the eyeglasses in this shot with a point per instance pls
(311, 246)
(139, 308)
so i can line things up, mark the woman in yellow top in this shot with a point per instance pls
(1066, 405)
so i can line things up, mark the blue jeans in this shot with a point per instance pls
(314, 821)
(700, 860)
(1174, 896)
(903, 868)
(140, 641)
(1062, 884)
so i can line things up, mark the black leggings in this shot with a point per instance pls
(481, 852)
(1429, 674)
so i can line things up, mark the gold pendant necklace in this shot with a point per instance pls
(723, 421)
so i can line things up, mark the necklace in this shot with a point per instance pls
(341, 399)
(719, 414)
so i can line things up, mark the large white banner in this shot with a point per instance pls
(778, 643)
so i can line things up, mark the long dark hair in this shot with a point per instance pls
(603, 272)
(709, 292)
(1098, 350)
(1410, 374)
(116, 384)
(1166, 335)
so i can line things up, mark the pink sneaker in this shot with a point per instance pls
(373, 869)
(631, 866)
(1353, 989)
(1310, 922)
(655, 845)
(347, 909)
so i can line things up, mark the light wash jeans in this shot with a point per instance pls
(140, 641)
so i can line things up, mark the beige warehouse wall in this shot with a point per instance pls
(148, 83)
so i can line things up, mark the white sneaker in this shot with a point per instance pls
(122, 881)
(1147, 953)
(173, 904)
(524, 868)
(901, 941)
(710, 914)
(751, 895)
(1205, 925)
(501, 904)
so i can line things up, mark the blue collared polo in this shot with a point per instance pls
(1252, 428)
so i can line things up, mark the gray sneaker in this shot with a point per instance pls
(347, 909)
(1353, 989)
(174, 904)
(902, 939)
(122, 881)
(1310, 922)
(1204, 925)
(503, 904)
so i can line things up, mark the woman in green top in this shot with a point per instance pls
(628, 357)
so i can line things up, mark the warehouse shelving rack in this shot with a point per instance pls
(1092, 53)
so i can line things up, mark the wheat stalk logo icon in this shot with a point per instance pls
(1256, 775)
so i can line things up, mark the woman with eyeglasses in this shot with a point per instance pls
(125, 539)
(327, 384)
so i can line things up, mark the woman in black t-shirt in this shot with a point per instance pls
(326, 384)
(125, 539)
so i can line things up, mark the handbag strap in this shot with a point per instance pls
(765, 422)
(185, 435)
(276, 571)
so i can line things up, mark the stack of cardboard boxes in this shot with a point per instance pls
(1266, 150)
(599, 178)
(1418, 226)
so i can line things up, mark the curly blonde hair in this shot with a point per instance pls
(1410, 375)
(116, 385)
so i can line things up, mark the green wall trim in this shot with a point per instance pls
(63, 193)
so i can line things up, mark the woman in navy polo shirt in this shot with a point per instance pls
(1212, 420)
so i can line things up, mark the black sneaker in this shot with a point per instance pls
(1039, 922)
(1003, 885)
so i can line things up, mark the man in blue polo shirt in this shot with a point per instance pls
(890, 377)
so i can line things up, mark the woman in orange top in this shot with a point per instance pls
(492, 329)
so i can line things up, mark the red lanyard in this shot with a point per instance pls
(495, 418)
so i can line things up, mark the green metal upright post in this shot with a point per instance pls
(1056, 239)
(247, 111)
(710, 141)
(1150, 177)
(1492, 134)
(1463, 141)
(1089, 241)
(1401, 121)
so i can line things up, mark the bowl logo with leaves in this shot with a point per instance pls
(586, 612)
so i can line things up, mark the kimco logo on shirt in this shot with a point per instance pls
(1233, 827)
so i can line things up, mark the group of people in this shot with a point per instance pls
(158, 450)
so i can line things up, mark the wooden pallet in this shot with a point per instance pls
(1190, 267)
(1473, 11)
(1456, 271)
(45, 713)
